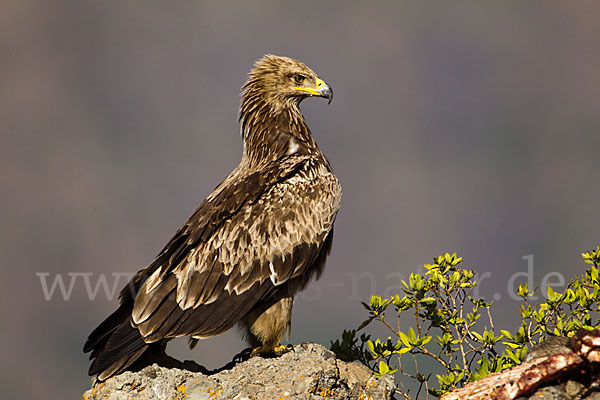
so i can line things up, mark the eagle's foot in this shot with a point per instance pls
(281, 350)
(258, 351)
(277, 351)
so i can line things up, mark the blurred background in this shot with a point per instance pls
(456, 126)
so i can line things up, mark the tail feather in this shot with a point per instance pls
(114, 345)
(121, 365)
(100, 335)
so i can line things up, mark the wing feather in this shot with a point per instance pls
(167, 314)
(154, 298)
(253, 234)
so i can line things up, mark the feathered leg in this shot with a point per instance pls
(266, 327)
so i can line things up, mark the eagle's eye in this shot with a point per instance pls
(299, 79)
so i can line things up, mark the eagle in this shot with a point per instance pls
(258, 239)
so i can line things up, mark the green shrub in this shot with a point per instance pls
(449, 330)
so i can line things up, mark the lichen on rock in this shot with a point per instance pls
(309, 371)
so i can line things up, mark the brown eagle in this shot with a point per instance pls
(246, 251)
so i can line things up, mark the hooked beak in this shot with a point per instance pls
(321, 89)
(325, 91)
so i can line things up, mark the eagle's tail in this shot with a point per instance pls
(114, 344)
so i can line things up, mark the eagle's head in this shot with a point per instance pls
(283, 81)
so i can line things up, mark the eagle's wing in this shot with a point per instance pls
(253, 234)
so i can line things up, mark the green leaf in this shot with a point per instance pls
(552, 295)
(507, 334)
(412, 336)
(375, 302)
(427, 300)
(365, 323)
(513, 345)
(425, 340)
(405, 340)
(383, 368)
(371, 347)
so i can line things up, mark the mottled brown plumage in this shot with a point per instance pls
(255, 241)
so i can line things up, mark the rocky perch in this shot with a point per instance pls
(309, 371)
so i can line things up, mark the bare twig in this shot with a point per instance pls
(380, 318)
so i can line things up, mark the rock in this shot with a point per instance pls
(309, 371)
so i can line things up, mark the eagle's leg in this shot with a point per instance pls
(266, 327)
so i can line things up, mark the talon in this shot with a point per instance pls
(281, 349)
(257, 351)
(277, 351)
